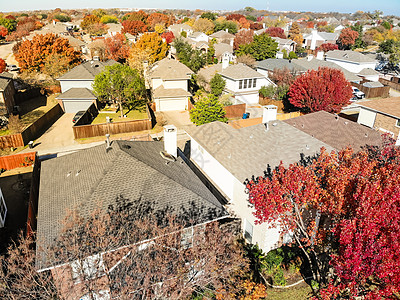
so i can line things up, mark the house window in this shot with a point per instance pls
(254, 82)
(250, 82)
(248, 231)
(3, 210)
(240, 84)
(245, 84)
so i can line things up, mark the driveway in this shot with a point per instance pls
(177, 118)
(59, 135)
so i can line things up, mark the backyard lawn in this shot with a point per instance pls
(131, 115)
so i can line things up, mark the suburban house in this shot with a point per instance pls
(7, 92)
(223, 50)
(223, 36)
(76, 85)
(351, 60)
(229, 156)
(177, 29)
(198, 37)
(369, 74)
(285, 44)
(242, 82)
(149, 182)
(77, 44)
(113, 29)
(336, 131)
(316, 39)
(169, 81)
(299, 66)
(382, 114)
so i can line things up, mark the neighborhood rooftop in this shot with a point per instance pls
(134, 170)
(388, 106)
(170, 69)
(87, 70)
(336, 131)
(249, 151)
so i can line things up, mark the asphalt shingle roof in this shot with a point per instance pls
(170, 69)
(240, 71)
(389, 106)
(77, 93)
(5, 79)
(162, 92)
(248, 151)
(336, 131)
(87, 70)
(135, 170)
(222, 34)
(349, 55)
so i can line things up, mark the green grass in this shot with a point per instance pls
(5, 132)
(300, 292)
(116, 117)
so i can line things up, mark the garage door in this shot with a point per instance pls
(173, 104)
(366, 117)
(75, 106)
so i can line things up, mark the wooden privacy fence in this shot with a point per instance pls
(10, 162)
(21, 97)
(11, 140)
(389, 83)
(93, 130)
(375, 92)
(33, 197)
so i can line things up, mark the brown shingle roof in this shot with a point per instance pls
(389, 106)
(240, 71)
(162, 92)
(336, 131)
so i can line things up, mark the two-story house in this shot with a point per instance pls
(76, 85)
(316, 39)
(169, 81)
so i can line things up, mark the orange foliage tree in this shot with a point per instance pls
(133, 27)
(347, 38)
(3, 31)
(136, 16)
(32, 54)
(157, 18)
(2, 65)
(117, 48)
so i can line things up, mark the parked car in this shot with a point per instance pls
(77, 116)
(358, 93)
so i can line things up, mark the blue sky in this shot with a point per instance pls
(389, 7)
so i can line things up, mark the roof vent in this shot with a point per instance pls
(77, 172)
(345, 122)
(266, 126)
(167, 156)
(124, 146)
(274, 124)
(69, 174)
(307, 147)
(366, 135)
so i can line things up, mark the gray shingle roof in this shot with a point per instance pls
(77, 93)
(135, 170)
(373, 84)
(221, 48)
(170, 69)
(336, 131)
(87, 70)
(276, 63)
(248, 151)
(209, 72)
(349, 55)
(389, 106)
(368, 71)
(240, 71)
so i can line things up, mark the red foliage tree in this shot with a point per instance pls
(158, 18)
(3, 65)
(354, 196)
(310, 24)
(243, 37)
(327, 47)
(347, 38)
(326, 89)
(117, 47)
(3, 31)
(168, 36)
(235, 17)
(276, 32)
(133, 27)
(256, 26)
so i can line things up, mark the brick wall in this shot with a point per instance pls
(387, 123)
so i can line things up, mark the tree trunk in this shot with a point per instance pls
(120, 108)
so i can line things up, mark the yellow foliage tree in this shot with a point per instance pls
(190, 22)
(204, 25)
(137, 58)
(159, 28)
(152, 42)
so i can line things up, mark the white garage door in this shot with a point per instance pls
(75, 106)
(173, 104)
(366, 117)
